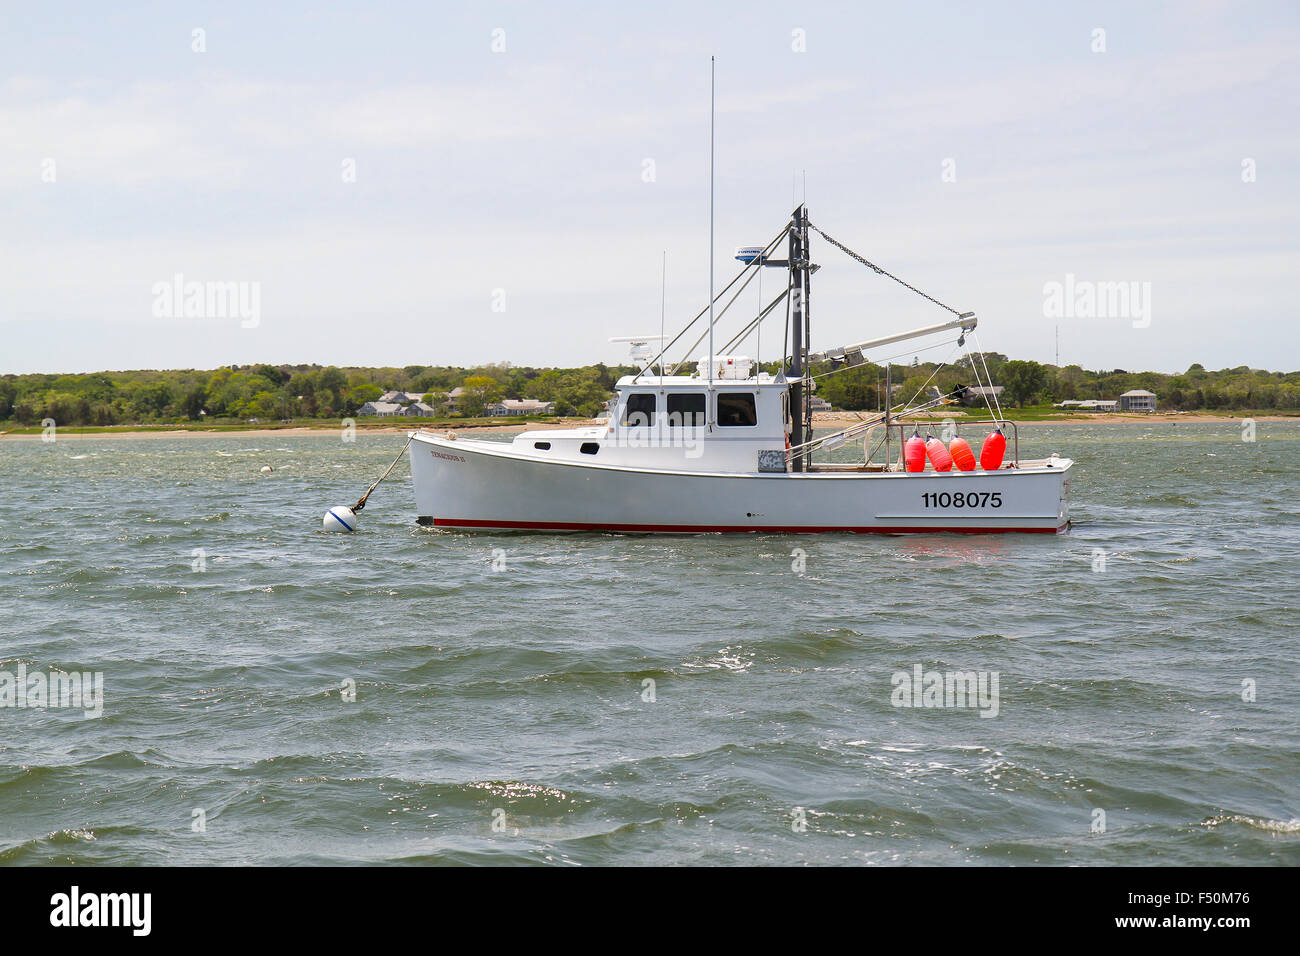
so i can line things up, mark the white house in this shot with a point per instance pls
(1088, 405)
(392, 404)
(1138, 400)
(381, 409)
(520, 406)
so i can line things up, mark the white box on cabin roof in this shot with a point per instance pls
(732, 367)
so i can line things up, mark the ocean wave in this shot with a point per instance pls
(1278, 827)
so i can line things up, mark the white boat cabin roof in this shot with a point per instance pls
(677, 382)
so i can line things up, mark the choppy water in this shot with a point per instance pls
(517, 695)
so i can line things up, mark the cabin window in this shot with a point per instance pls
(589, 447)
(686, 409)
(640, 409)
(542, 445)
(736, 410)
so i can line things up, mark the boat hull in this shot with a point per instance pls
(477, 485)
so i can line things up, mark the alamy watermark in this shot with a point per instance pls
(127, 910)
(1084, 299)
(78, 690)
(946, 689)
(179, 299)
(676, 430)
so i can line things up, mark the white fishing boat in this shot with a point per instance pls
(729, 448)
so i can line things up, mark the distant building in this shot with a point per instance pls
(1138, 400)
(979, 394)
(818, 404)
(1088, 405)
(519, 406)
(394, 404)
(380, 410)
(454, 398)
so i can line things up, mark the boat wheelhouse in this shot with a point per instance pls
(677, 422)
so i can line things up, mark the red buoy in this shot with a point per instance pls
(914, 453)
(993, 451)
(962, 456)
(938, 454)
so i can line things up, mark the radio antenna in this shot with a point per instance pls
(713, 71)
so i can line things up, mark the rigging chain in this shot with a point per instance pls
(871, 265)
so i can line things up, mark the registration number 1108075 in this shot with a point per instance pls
(962, 499)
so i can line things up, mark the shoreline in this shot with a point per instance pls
(820, 419)
(291, 431)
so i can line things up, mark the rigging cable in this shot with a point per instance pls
(990, 398)
(716, 319)
(931, 378)
(879, 271)
(664, 349)
(754, 322)
(785, 336)
(989, 377)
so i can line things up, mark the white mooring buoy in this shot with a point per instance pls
(341, 519)
(345, 519)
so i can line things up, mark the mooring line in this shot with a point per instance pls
(361, 502)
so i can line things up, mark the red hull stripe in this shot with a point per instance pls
(722, 529)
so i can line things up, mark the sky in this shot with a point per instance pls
(455, 184)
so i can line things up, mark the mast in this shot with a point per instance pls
(798, 259)
(807, 268)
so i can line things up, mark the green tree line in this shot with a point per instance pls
(273, 392)
(1030, 383)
